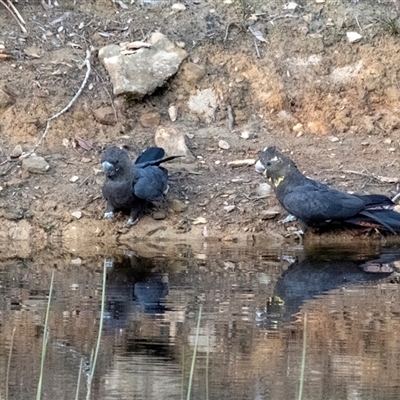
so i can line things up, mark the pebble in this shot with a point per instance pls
(199, 220)
(263, 190)
(76, 261)
(298, 127)
(74, 179)
(173, 113)
(105, 115)
(150, 119)
(229, 208)
(77, 214)
(159, 215)
(333, 139)
(353, 37)
(269, 214)
(177, 205)
(222, 144)
(17, 151)
(178, 7)
(245, 135)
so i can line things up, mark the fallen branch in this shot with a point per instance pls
(68, 106)
(379, 178)
(14, 12)
(395, 198)
(231, 118)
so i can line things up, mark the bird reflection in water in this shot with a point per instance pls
(135, 285)
(320, 272)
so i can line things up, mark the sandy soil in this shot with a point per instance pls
(333, 105)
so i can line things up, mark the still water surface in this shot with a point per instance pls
(275, 324)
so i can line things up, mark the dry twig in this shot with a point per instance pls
(231, 118)
(66, 108)
(379, 178)
(14, 12)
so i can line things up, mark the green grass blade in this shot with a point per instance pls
(96, 352)
(303, 358)
(194, 353)
(45, 340)
(9, 362)
(78, 385)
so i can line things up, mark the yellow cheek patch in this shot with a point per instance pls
(276, 182)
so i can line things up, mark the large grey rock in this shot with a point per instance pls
(35, 165)
(141, 73)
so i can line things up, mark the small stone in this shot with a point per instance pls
(65, 142)
(76, 261)
(74, 286)
(150, 119)
(269, 214)
(177, 206)
(193, 73)
(298, 127)
(17, 151)
(204, 104)
(178, 7)
(173, 113)
(353, 37)
(387, 141)
(245, 135)
(392, 149)
(159, 215)
(229, 208)
(77, 214)
(97, 171)
(333, 139)
(105, 115)
(74, 179)
(35, 165)
(172, 141)
(263, 190)
(199, 220)
(222, 144)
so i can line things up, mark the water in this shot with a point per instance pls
(275, 324)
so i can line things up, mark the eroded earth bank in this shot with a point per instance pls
(292, 78)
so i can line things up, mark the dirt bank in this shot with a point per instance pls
(331, 103)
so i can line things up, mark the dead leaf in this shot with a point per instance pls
(85, 144)
(387, 179)
(256, 31)
(33, 51)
